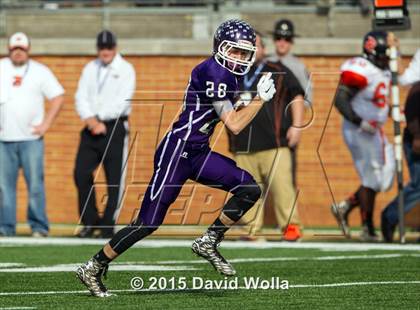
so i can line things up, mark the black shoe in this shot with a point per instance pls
(387, 229)
(86, 232)
(368, 233)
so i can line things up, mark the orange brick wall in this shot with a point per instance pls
(149, 121)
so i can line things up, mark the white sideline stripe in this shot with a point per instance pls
(191, 289)
(153, 243)
(125, 267)
(161, 265)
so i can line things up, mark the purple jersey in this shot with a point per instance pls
(210, 92)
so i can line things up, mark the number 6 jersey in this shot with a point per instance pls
(371, 102)
(211, 91)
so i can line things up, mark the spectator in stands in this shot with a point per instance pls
(283, 36)
(24, 83)
(262, 148)
(411, 191)
(105, 89)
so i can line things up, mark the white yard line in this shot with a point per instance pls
(154, 243)
(179, 265)
(326, 285)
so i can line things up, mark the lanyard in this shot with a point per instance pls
(248, 82)
(18, 80)
(98, 78)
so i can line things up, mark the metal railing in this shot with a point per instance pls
(194, 16)
(63, 4)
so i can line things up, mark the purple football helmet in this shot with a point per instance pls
(235, 34)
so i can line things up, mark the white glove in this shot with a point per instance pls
(265, 87)
(369, 126)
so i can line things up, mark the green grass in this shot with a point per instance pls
(306, 270)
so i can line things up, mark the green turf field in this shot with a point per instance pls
(325, 277)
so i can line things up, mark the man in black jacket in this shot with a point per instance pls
(262, 148)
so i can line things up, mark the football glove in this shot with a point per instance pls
(265, 87)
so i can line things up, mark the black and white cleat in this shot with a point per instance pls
(206, 247)
(90, 274)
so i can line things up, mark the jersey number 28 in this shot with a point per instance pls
(210, 90)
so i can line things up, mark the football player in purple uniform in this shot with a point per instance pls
(184, 153)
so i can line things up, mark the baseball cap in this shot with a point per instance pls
(106, 39)
(284, 28)
(19, 39)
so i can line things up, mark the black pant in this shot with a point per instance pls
(110, 150)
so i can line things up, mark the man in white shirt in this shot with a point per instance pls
(24, 84)
(105, 89)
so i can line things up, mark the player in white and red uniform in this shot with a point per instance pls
(362, 99)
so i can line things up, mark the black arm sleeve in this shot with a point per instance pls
(342, 102)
